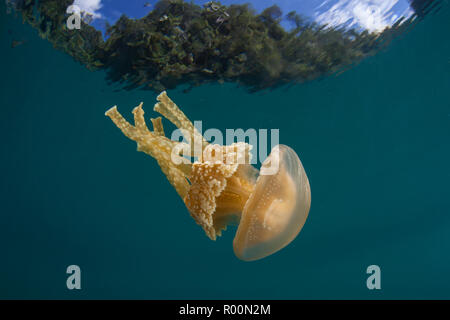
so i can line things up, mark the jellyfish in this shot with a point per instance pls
(220, 187)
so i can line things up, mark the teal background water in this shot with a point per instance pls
(374, 141)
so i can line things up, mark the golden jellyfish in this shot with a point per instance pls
(221, 187)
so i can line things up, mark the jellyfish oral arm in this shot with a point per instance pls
(154, 144)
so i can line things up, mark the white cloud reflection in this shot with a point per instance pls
(89, 6)
(372, 15)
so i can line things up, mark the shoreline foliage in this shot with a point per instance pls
(179, 42)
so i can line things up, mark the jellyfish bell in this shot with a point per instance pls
(221, 187)
(277, 208)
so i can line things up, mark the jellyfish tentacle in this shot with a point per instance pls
(176, 178)
(127, 129)
(171, 112)
(158, 147)
(158, 128)
(199, 184)
(139, 120)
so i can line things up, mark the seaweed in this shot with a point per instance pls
(180, 42)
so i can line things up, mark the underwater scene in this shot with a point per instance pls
(236, 149)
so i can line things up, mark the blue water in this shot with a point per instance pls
(373, 140)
